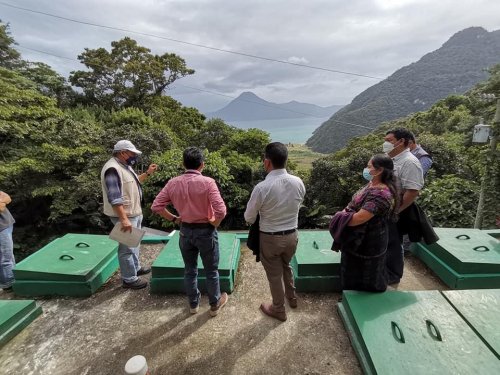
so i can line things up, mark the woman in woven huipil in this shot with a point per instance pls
(365, 238)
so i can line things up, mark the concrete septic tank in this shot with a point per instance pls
(463, 258)
(15, 315)
(73, 265)
(315, 266)
(167, 274)
(413, 333)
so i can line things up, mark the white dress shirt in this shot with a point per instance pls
(278, 200)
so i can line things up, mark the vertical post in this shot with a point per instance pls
(478, 223)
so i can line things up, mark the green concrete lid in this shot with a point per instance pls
(15, 315)
(414, 333)
(451, 277)
(314, 256)
(170, 263)
(480, 308)
(467, 250)
(74, 257)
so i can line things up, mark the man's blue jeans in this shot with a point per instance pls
(205, 242)
(128, 257)
(7, 261)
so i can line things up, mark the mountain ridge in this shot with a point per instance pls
(454, 68)
(250, 107)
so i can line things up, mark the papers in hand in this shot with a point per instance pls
(131, 239)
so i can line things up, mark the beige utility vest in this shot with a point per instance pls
(130, 190)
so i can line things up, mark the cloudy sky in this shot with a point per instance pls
(364, 37)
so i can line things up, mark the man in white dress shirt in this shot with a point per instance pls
(277, 199)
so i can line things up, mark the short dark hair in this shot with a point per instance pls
(277, 153)
(402, 133)
(192, 157)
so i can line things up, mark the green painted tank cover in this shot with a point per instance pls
(463, 258)
(413, 333)
(168, 269)
(316, 267)
(73, 265)
(15, 315)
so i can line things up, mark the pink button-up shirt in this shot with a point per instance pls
(195, 197)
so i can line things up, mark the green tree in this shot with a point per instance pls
(251, 142)
(48, 81)
(9, 57)
(450, 201)
(128, 76)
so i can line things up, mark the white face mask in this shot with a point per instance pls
(387, 147)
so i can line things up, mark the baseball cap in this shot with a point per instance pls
(126, 145)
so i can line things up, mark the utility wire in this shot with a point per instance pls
(208, 91)
(189, 43)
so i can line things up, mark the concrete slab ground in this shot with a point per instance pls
(97, 335)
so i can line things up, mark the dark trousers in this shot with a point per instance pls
(394, 259)
(203, 242)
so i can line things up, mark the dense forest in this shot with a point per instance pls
(454, 68)
(55, 135)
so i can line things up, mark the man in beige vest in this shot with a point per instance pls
(122, 196)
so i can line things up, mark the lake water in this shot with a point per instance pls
(295, 130)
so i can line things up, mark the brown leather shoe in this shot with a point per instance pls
(292, 302)
(268, 310)
(214, 310)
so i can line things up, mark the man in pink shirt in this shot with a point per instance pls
(201, 209)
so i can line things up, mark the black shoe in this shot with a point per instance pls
(143, 271)
(137, 284)
(9, 289)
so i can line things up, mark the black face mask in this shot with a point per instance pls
(132, 160)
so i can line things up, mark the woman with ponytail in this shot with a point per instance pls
(365, 238)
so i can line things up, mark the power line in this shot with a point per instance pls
(209, 92)
(189, 43)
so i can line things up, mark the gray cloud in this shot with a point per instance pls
(373, 38)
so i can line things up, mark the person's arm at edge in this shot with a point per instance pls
(160, 204)
(217, 203)
(151, 169)
(4, 200)
(253, 206)
(409, 197)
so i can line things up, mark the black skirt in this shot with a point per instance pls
(362, 262)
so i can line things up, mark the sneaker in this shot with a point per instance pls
(137, 284)
(143, 271)
(8, 289)
(214, 310)
(195, 309)
(269, 311)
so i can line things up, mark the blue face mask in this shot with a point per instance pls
(367, 175)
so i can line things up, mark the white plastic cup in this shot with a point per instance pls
(137, 365)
